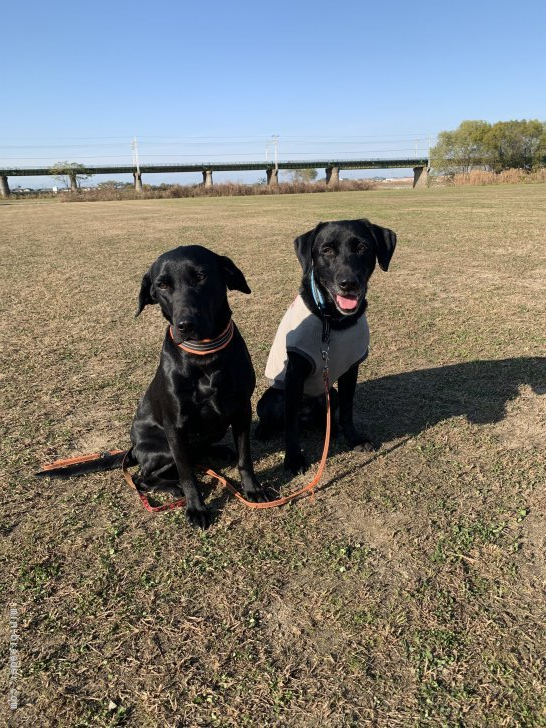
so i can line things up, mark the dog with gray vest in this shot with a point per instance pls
(337, 259)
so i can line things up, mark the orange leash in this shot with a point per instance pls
(79, 459)
(309, 488)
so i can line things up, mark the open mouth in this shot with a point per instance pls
(347, 303)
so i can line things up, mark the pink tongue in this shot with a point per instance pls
(346, 302)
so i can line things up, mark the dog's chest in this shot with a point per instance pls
(212, 401)
(207, 395)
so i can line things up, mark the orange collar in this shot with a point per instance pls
(207, 346)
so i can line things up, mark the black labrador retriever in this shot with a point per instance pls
(337, 259)
(203, 384)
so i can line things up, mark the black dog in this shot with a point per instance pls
(203, 384)
(338, 259)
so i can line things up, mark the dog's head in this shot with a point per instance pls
(190, 284)
(342, 257)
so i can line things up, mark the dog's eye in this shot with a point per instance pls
(200, 276)
(327, 250)
(361, 249)
(163, 286)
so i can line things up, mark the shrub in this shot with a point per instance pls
(221, 190)
(507, 177)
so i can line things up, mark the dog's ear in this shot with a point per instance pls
(145, 295)
(304, 247)
(235, 279)
(385, 242)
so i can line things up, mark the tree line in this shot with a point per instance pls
(493, 147)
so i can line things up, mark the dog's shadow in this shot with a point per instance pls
(399, 406)
(405, 404)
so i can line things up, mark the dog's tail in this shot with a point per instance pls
(92, 463)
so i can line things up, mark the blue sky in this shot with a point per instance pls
(195, 81)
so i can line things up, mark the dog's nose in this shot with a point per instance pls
(348, 284)
(185, 327)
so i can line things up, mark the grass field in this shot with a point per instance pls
(410, 592)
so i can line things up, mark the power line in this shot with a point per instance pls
(246, 138)
(286, 154)
(170, 144)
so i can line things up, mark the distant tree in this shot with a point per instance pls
(503, 145)
(113, 184)
(71, 174)
(303, 175)
(517, 144)
(463, 149)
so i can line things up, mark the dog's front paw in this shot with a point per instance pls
(252, 490)
(357, 441)
(365, 446)
(257, 495)
(198, 516)
(295, 462)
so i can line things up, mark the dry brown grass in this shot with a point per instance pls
(228, 189)
(409, 593)
(506, 177)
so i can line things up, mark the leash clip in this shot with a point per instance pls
(325, 356)
(325, 328)
(325, 351)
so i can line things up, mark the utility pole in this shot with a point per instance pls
(275, 138)
(134, 147)
(136, 174)
(267, 151)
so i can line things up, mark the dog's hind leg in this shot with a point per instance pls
(164, 480)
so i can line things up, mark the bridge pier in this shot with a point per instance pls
(4, 186)
(207, 177)
(137, 181)
(272, 177)
(332, 176)
(420, 177)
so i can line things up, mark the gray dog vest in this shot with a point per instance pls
(301, 331)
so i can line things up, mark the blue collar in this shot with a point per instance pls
(317, 295)
(321, 304)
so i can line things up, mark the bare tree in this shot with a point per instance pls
(303, 175)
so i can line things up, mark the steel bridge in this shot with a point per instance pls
(332, 167)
